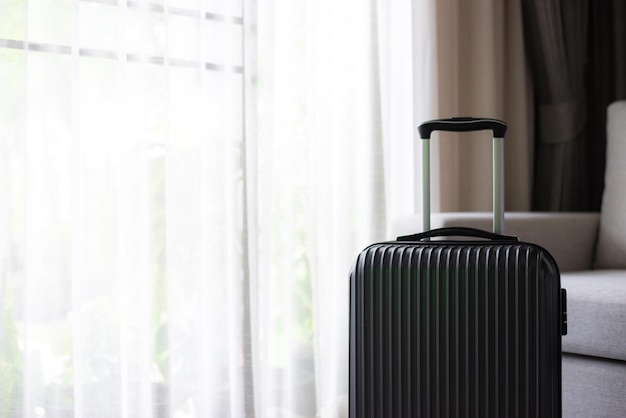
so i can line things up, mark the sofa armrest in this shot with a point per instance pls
(569, 237)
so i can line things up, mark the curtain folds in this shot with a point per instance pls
(556, 34)
(577, 55)
(335, 141)
(605, 83)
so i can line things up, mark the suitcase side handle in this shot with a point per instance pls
(466, 125)
(463, 125)
(457, 232)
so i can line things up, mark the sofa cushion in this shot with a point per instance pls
(593, 387)
(611, 248)
(596, 311)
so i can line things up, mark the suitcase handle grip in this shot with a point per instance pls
(457, 232)
(463, 125)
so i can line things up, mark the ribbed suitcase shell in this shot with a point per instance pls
(455, 329)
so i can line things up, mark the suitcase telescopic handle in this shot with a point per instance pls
(466, 125)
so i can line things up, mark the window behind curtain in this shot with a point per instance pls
(121, 131)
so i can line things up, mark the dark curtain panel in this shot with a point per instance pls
(556, 41)
(619, 47)
(606, 82)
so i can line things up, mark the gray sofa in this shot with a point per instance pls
(590, 249)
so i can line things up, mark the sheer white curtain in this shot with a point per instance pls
(121, 128)
(183, 187)
(336, 127)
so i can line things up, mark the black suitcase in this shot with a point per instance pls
(463, 327)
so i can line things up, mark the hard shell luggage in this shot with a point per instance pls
(458, 327)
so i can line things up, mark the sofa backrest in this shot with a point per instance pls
(611, 248)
